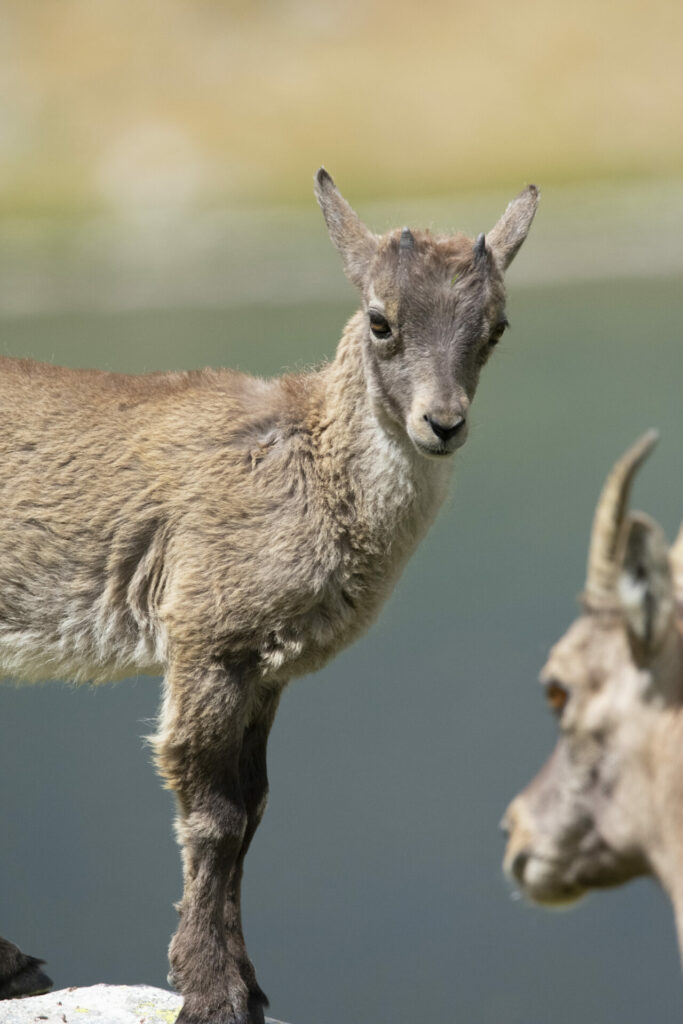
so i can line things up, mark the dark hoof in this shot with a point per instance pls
(188, 1017)
(256, 1006)
(193, 1012)
(29, 980)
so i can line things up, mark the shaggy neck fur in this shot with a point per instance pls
(389, 481)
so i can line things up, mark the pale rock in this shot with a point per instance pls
(98, 1004)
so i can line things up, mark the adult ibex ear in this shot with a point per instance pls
(355, 243)
(645, 586)
(507, 236)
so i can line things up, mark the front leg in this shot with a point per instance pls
(198, 749)
(254, 788)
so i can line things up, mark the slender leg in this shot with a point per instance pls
(20, 975)
(198, 750)
(254, 787)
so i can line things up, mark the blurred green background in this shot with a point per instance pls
(123, 102)
(156, 164)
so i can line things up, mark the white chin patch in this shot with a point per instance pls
(427, 450)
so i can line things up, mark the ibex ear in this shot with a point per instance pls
(355, 243)
(645, 586)
(507, 236)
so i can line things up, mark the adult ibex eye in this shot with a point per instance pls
(499, 330)
(557, 696)
(379, 325)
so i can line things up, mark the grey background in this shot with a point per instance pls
(373, 889)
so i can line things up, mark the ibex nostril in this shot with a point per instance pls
(445, 431)
(519, 863)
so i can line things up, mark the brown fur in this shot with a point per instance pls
(234, 533)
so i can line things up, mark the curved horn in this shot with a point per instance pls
(603, 569)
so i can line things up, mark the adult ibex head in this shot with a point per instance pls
(608, 805)
(434, 310)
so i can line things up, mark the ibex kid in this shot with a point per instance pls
(234, 533)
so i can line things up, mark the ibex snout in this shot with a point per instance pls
(438, 430)
(538, 858)
(445, 431)
(518, 833)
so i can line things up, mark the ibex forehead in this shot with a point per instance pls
(593, 649)
(421, 248)
(431, 264)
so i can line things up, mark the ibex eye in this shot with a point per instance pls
(499, 330)
(379, 325)
(557, 696)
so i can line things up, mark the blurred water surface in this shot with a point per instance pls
(373, 889)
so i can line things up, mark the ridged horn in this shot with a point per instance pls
(603, 570)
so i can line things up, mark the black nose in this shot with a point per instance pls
(445, 431)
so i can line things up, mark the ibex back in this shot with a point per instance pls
(233, 533)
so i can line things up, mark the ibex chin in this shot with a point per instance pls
(234, 533)
(608, 805)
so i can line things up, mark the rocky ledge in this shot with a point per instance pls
(98, 1004)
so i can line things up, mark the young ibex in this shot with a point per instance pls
(608, 805)
(235, 533)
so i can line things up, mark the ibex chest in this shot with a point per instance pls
(315, 617)
(322, 578)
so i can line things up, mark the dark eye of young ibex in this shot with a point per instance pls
(499, 330)
(379, 325)
(557, 696)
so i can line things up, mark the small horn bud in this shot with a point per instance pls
(407, 240)
(480, 248)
